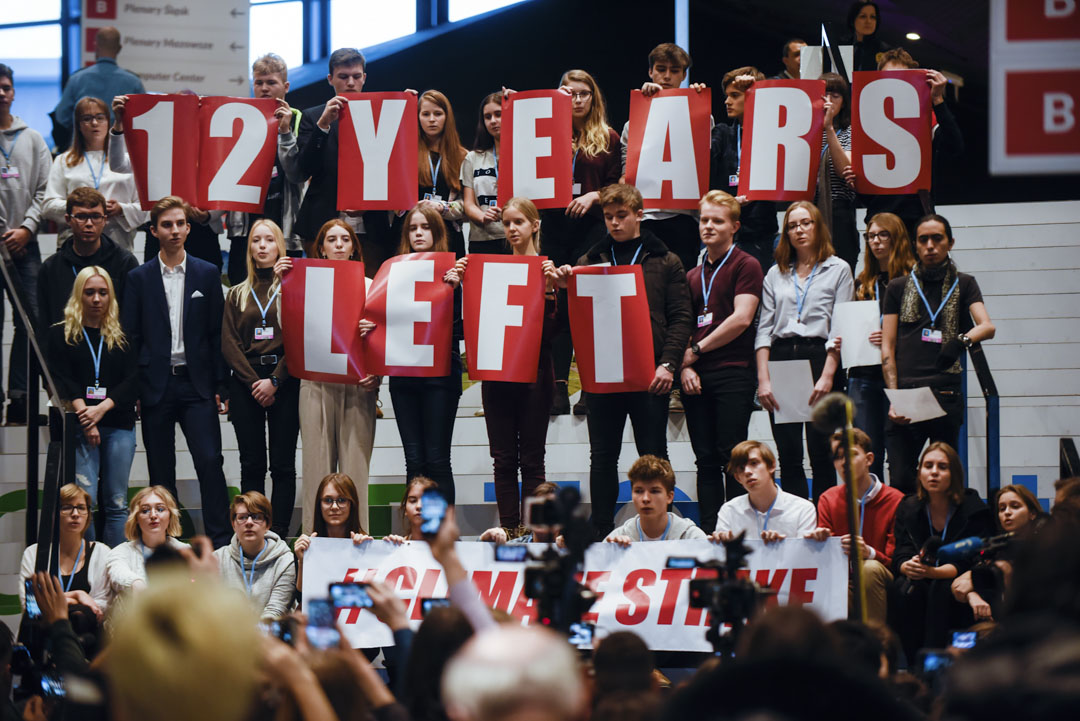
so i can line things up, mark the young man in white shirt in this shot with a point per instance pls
(765, 512)
(653, 489)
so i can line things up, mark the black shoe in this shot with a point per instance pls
(16, 412)
(580, 409)
(560, 404)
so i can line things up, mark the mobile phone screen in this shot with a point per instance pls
(581, 634)
(321, 632)
(681, 562)
(432, 511)
(963, 639)
(33, 611)
(511, 553)
(426, 604)
(350, 595)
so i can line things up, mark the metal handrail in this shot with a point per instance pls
(993, 417)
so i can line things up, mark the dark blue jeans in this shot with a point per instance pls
(871, 411)
(424, 409)
(26, 269)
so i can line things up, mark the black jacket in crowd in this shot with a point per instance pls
(971, 518)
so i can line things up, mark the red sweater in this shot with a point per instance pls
(878, 521)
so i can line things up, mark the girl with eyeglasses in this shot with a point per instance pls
(258, 561)
(338, 517)
(153, 521)
(95, 369)
(86, 164)
(797, 302)
(82, 563)
(887, 255)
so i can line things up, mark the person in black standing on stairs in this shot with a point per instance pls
(262, 393)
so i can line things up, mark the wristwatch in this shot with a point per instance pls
(274, 381)
(695, 349)
(669, 366)
(964, 340)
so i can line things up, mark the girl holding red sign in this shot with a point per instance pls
(480, 181)
(337, 421)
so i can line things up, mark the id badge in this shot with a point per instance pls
(264, 333)
(273, 172)
(931, 336)
(733, 180)
(575, 189)
(493, 203)
(704, 320)
(9, 172)
(95, 394)
(797, 327)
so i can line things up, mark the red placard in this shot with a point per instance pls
(1040, 117)
(413, 312)
(781, 143)
(1042, 20)
(503, 310)
(536, 155)
(322, 302)
(377, 167)
(101, 10)
(891, 143)
(161, 134)
(667, 155)
(236, 153)
(611, 329)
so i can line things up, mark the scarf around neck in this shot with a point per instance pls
(912, 308)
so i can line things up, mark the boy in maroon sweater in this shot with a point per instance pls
(877, 513)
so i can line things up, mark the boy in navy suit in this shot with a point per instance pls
(172, 313)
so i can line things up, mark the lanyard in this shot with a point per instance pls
(801, 299)
(641, 536)
(96, 356)
(930, 522)
(880, 300)
(249, 582)
(632, 260)
(264, 310)
(435, 174)
(708, 288)
(7, 153)
(738, 146)
(767, 513)
(71, 578)
(862, 506)
(496, 154)
(934, 313)
(573, 165)
(101, 171)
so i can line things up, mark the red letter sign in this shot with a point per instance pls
(503, 310)
(536, 148)
(322, 302)
(162, 136)
(890, 132)
(609, 322)
(781, 145)
(413, 312)
(667, 156)
(236, 157)
(377, 167)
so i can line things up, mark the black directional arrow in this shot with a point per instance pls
(236, 13)
(237, 80)
(235, 46)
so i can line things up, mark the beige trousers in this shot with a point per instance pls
(337, 430)
(877, 577)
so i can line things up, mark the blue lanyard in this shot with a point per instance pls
(573, 165)
(435, 173)
(767, 513)
(496, 154)
(7, 153)
(249, 582)
(801, 299)
(862, 506)
(270, 302)
(71, 578)
(934, 313)
(738, 145)
(708, 288)
(101, 171)
(880, 300)
(96, 356)
(930, 521)
(641, 536)
(632, 260)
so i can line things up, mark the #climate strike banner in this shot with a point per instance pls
(636, 592)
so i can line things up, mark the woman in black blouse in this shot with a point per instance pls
(95, 370)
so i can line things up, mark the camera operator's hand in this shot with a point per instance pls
(772, 536)
(285, 667)
(387, 607)
(623, 541)
(914, 568)
(722, 536)
(35, 709)
(495, 535)
(442, 548)
(200, 558)
(979, 607)
(50, 597)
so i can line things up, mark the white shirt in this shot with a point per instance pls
(832, 284)
(173, 280)
(93, 171)
(790, 515)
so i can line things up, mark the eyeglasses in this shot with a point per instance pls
(253, 517)
(90, 119)
(89, 217)
(882, 235)
(805, 224)
(160, 509)
(583, 95)
(329, 502)
(932, 238)
(67, 509)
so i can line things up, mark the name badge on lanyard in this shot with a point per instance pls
(733, 180)
(704, 320)
(95, 393)
(433, 196)
(264, 333)
(9, 171)
(929, 335)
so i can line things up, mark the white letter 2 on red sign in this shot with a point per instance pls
(226, 187)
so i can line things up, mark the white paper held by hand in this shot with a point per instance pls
(916, 404)
(853, 322)
(792, 384)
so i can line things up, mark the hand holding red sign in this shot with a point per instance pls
(503, 311)
(891, 140)
(413, 311)
(667, 156)
(377, 162)
(781, 142)
(161, 133)
(322, 302)
(536, 148)
(609, 322)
